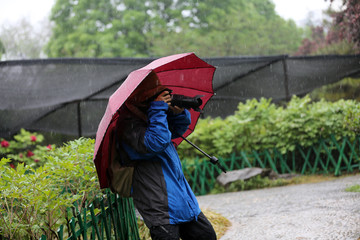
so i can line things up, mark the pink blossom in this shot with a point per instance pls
(4, 143)
(49, 146)
(36, 160)
(21, 155)
(33, 138)
(30, 154)
(12, 165)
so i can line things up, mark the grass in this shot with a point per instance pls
(311, 179)
(355, 188)
(220, 224)
(259, 182)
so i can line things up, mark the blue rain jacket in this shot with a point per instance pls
(160, 191)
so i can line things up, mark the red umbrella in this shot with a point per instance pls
(185, 74)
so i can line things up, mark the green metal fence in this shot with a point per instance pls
(329, 156)
(116, 218)
(112, 218)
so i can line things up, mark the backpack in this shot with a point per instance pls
(120, 170)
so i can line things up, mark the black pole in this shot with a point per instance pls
(286, 80)
(213, 159)
(79, 119)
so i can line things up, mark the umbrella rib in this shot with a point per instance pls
(190, 88)
(183, 69)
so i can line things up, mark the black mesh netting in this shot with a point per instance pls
(70, 95)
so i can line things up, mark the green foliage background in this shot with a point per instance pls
(36, 201)
(347, 88)
(35, 198)
(260, 124)
(2, 49)
(142, 28)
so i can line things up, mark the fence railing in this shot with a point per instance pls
(116, 218)
(328, 156)
(113, 218)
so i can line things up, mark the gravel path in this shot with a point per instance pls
(320, 211)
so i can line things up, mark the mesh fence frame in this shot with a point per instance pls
(69, 96)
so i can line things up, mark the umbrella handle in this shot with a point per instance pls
(214, 160)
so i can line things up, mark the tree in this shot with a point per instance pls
(139, 28)
(2, 49)
(22, 41)
(347, 21)
(107, 28)
(339, 36)
(240, 27)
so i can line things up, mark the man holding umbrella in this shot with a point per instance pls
(159, 188)
(135, 153)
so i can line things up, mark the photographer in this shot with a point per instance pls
(160, 191)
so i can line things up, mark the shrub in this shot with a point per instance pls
(260, 124)
(25, 148)
(35, 201)
(32, 202)
(352, 118)
(73, 166)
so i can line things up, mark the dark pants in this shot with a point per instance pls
(194, 230)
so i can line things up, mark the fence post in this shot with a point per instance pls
(317, 158)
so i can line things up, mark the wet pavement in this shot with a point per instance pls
(321, 211)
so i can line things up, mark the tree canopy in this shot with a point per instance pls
(348, 21)
(142, 28)
(2, 49)
(341, 35)
(22, 41)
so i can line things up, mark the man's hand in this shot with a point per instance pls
(164, 96)
(176, 109)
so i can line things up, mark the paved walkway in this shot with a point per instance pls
(321, 211)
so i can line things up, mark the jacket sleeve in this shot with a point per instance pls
(143, 141)
(157, 135)
(179, 123)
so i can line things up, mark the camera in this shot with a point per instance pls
(181, 101)
(186, 102)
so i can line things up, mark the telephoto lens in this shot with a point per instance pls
(186, 102)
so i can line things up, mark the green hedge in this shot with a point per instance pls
(259, 125)
(36, 195)
(36, 201)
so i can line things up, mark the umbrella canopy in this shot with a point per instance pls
(185, 74)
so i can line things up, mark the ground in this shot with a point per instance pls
(308, 211)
